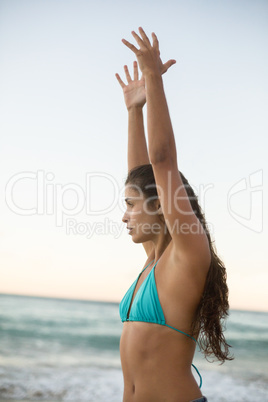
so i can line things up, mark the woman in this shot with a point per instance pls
(181, 293)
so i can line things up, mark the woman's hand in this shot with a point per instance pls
(134, 91)
(148, 55)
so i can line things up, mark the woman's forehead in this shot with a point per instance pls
(132, 191)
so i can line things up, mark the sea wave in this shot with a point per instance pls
(68, 350)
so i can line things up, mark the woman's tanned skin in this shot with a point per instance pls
(156, 360)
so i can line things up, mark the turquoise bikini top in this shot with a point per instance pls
(146, 306)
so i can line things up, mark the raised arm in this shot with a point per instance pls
(135, 98)
(190, 240)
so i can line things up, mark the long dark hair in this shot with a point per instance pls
(213, 307)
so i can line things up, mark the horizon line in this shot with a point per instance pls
(105, 301)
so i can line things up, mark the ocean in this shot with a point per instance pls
(68, 350)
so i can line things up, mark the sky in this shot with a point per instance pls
(63, 152)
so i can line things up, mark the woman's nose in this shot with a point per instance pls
(125, 217)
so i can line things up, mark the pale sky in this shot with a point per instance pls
(63, 148)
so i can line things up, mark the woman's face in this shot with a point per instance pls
(141, 218)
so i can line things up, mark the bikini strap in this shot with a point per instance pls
(200, 385)
(184, 333)
(146, 267)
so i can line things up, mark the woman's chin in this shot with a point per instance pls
(134, 238)
(138, 239)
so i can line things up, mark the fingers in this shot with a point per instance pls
(127, 74)
(144, 37)
(142, 42)
(135, 71)
(130, 46)
(120, 81)
(168, 64)
(155, 41)
(128, 77)
(171, 62)
(138, 39)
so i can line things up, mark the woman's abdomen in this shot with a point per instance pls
(156, 363)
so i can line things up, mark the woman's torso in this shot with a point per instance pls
(156, 360)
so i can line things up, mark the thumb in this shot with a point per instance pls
(168, 64)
